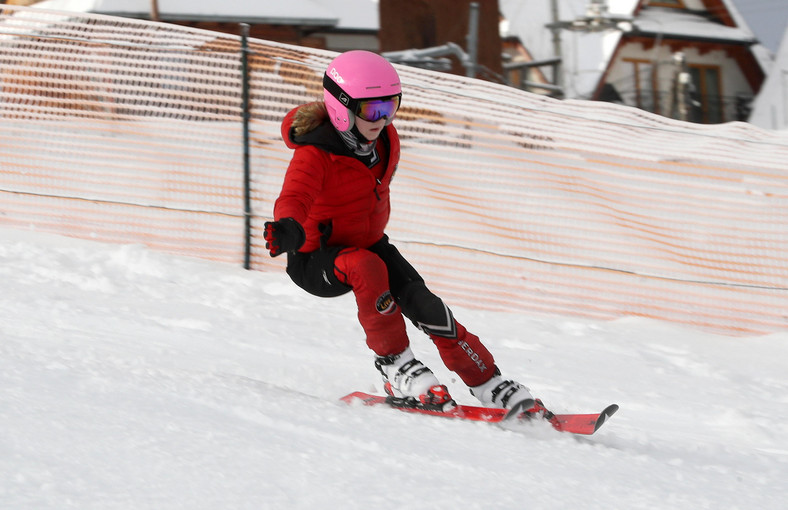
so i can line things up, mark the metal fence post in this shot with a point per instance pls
(245, 121)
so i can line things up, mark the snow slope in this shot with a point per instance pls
(135, 380)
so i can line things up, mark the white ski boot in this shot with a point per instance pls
(411, 384)
(504, 394)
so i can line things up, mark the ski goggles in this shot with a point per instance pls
(375, 109)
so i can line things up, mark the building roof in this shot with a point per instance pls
(679, 24)
(587, 54)
(349, 14)
(770, 109)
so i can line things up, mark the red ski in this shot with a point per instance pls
(573, 423)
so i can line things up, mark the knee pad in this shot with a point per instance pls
(427, 311)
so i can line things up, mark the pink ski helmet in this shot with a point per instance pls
(360, 83)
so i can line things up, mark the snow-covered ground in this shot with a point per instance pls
(135, 380)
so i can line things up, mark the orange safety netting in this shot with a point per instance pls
(129, 131)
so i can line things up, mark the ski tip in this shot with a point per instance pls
(604, 415)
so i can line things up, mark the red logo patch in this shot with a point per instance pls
(385, 304)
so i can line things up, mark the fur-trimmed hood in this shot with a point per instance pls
(308, 124)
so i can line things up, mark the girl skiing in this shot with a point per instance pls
(330, 219)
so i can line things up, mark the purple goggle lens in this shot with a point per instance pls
(375, 109)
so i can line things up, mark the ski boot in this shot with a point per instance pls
(409, 383)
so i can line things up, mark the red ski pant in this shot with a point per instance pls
(385, 289)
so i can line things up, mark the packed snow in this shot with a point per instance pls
(131, 379)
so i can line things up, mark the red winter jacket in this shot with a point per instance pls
(326, 185)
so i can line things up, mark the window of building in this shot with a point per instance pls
(644, 91)
(707, 93)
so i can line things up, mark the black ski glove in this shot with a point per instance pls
(285, 235)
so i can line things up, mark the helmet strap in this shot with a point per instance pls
(356, 142)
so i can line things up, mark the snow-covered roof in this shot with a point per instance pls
(770, 109)
(683, 24)
(353, 14)
(343, 14)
